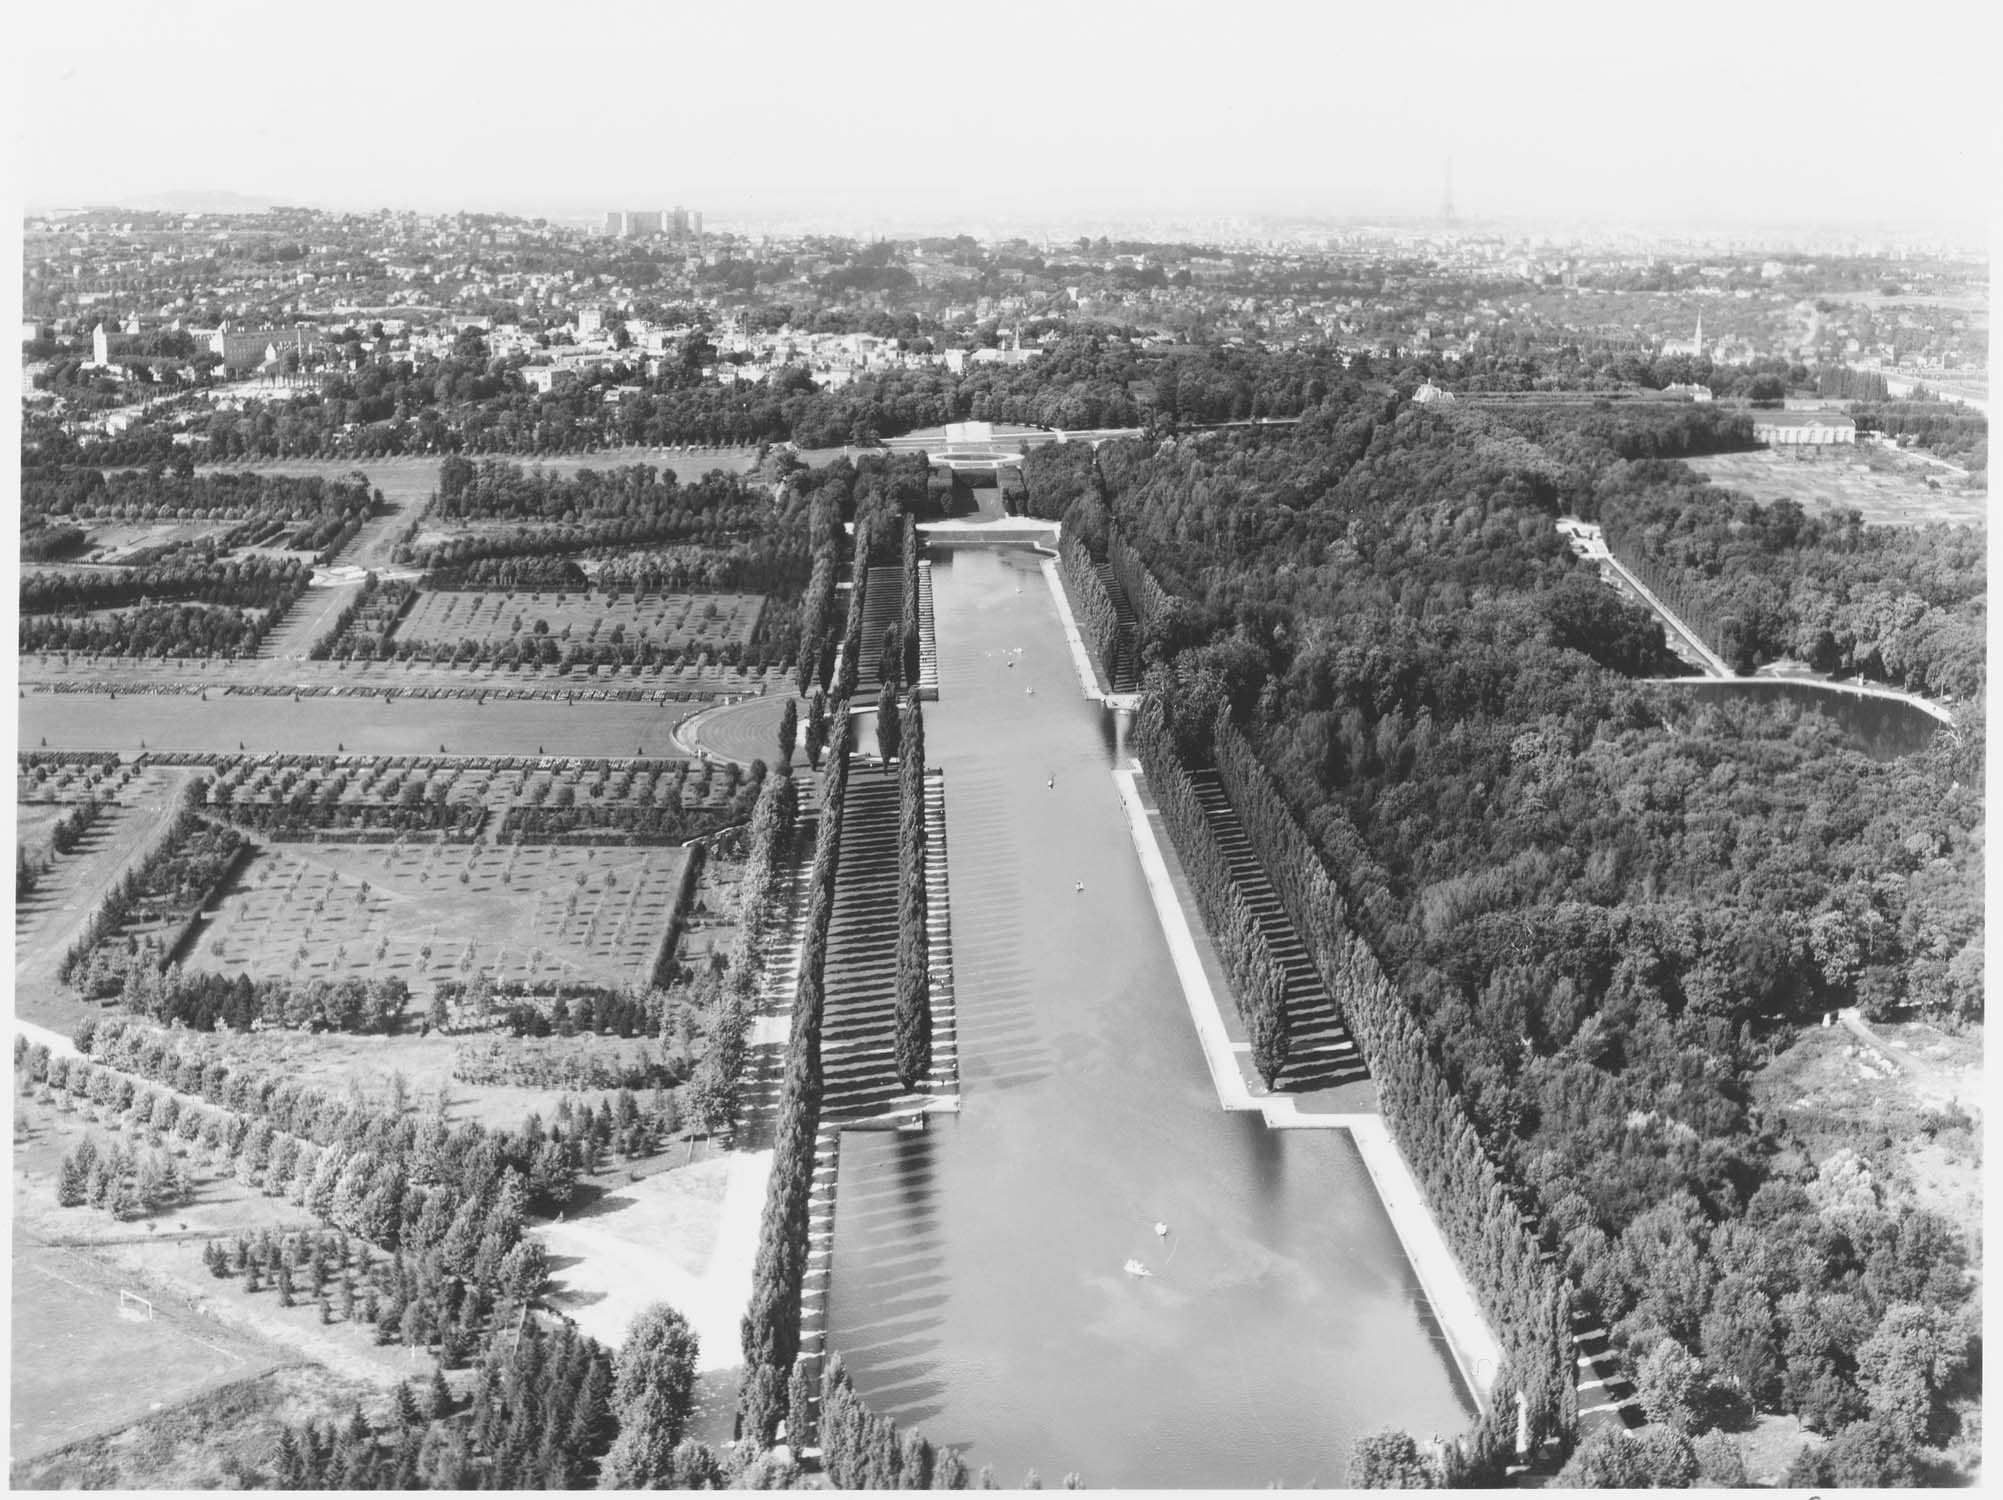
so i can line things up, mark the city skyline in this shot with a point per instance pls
(1061, 117)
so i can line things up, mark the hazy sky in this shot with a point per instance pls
(1722, 114)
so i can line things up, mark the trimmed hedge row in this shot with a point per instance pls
(852, 632)
(1098, 617)
(815, 611)
(914, 942)
(1151, 603)
(678, 913)
(909, 610)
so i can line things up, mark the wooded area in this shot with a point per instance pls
(1583, 933)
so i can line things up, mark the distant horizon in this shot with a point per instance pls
(889, 112)
(1970, 236)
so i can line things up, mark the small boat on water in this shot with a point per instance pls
(1135, 1268)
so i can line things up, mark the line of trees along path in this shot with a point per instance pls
(772, 1323)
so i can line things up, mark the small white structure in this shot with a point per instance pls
(1803, 429)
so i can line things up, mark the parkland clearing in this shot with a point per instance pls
(1180, 957)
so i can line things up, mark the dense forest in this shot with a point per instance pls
(1900, 605)
(464, 403)
(1602, 925)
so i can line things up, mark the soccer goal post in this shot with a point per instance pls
(132, 1305)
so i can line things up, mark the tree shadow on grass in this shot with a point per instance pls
(591, 1202)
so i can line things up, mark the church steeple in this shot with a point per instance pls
(1698, 353)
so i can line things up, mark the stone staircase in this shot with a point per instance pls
(882, 602)
(859, 1016)
(1123, 672)
(1605, 1393)
(928, 641)
(1321, 1053)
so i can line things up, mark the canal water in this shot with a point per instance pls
(978, 1287)
(1883, 728)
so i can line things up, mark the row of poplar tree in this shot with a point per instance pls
(1491, 1235)
(770, 1332)
(1494, 1241)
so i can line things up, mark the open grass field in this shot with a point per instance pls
(78, 1368)
(672, 620)
(747, 731)
(222, 1438)
(119, 541)
(1893, 493)
(54, 915)
(423, 913)
(159, 1256)
(358, 724)
(35, 823)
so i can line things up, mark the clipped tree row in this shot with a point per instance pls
(1167, 623)
(815, 612)
(1098, 617)
(1258, 983)
(909, 611)
(771, 1326)
(914, 943)
(851, 655)
(1150, 602)
(678, 914)
(770, 837)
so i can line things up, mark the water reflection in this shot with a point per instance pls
(1883, 728)
(978, 1285)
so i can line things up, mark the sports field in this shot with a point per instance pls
(79, 1368)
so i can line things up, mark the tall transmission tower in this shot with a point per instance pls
(1447, 202)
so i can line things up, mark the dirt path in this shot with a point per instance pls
(1931, 1080)
(40, 945)
(307, 620)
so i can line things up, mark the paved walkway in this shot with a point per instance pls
(1089, 677)
(1711, 659)
(1474, 1345)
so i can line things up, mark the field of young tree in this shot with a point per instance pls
(533, 914)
